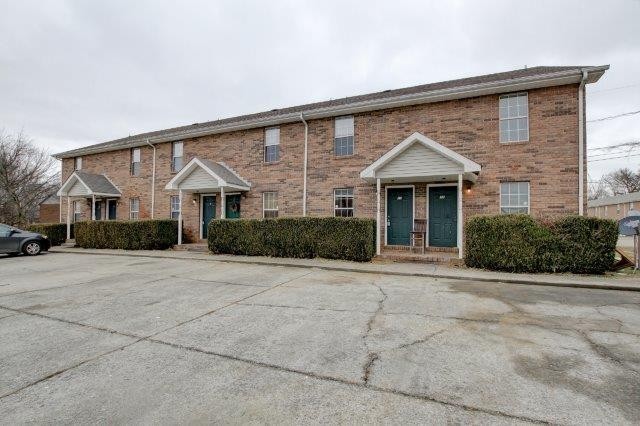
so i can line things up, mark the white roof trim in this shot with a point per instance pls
(468, 165)
(174, 183)
(68, 184)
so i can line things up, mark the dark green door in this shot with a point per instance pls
(233, 206)
(111, 209)
(208, 212)
(399, 215)
(443, 216)
(98, 210)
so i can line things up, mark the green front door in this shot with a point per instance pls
(399, 215)
(443, 216)
(233, 206)
(208, 212)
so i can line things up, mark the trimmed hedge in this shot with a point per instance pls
(519, 243)
(127, 234)
(57, 232)
(302, 237)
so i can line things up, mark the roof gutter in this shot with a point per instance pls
(480, 89)
(581, 141)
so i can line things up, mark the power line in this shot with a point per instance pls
(612, 158)
(630, 144)
(614, 88)
(611, 117)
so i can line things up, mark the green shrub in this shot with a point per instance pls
(519, 243)
(56, 232)
(127, 234)
(301, 237)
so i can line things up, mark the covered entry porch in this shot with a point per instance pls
(419, 190)
(88, 188)
(209, 187)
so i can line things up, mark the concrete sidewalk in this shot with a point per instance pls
(607, 282)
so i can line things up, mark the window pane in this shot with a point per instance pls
(136, 155)
(344, 146)
(343, 127)
(272, 136)
(271, 153)
(177, 164)
(177, 149)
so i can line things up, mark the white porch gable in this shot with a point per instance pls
(206, 176)
(420, 159)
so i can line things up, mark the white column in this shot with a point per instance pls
(378, 216)
(93, 207)
(460, 218)
(180, 219)
(223, 206)
(68, 218)
(60, 209)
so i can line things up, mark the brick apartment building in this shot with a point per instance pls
(615, 207)
(439, 153)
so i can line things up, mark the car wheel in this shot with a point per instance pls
(32, 248)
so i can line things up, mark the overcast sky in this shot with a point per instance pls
(74, 73)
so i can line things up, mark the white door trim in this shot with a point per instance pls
(386, 205)
(429, 186)
(201, 209)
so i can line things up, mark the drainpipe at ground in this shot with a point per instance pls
(153, 179)
(304, 167)
(581, 142)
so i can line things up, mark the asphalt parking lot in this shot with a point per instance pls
(113, 339)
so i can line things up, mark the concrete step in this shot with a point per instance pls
(445, 255)
(69, 243)
(192, 247)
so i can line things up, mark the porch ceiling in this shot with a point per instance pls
(420, 159)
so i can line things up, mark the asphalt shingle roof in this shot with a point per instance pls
(274, 113)
(97, 183)
(224, 172)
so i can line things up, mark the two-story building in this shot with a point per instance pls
(511, 142)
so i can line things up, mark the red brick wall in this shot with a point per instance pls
(549, 160)
(49, 213)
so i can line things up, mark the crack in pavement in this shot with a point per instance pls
(372, 356)
(216, 282)
(605, 353)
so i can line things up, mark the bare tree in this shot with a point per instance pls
(598, 189)
(622, 181)
(26, 178)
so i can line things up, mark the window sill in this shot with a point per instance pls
(271, 163)
(343, 156)
(515, 142)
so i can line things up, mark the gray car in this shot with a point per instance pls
(14, 241)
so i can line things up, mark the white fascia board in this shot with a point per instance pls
(63, 191)
(468, 165)
(504, 86)
(174, 183)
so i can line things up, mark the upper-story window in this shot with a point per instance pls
(77, 163)
(176, 156)
(272, 145)
(135, 162)
(343, 138)
(514, 117)
(514, 197)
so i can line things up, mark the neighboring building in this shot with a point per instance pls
(511, 142)
(615, 207)
(49, 210)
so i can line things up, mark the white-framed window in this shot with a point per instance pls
(176, 156)
(343, 202)
(343, 137)
(272, 145)
(77, 163)
(134, 208)
(618, 209)
(77, 211)
(514, 117)
(269, 204)
(175, 206)
(135, 161)
(514, 197)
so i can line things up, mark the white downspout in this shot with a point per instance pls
(304, 167)
(153, 179)
(581, 143)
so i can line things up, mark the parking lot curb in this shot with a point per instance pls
(284, 262)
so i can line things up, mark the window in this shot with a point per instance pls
(343, 202)
(514, 117)
(175, 206)
(134, 208)
(618, 209)
(272, 145)
(4, 230)
(135, 162)
(269, 204)
(176, 157)
(514, 197)
(77, 211)
(77, 163)
(343, 138)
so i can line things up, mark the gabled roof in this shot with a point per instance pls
(223, 174)
(468, 166)
(95, 184)
(522, 79)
